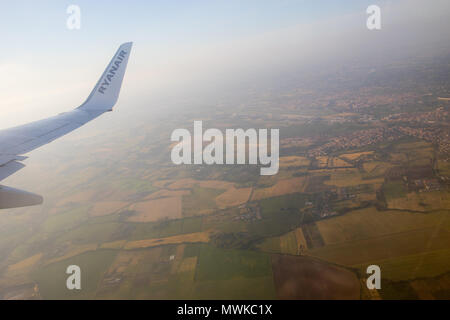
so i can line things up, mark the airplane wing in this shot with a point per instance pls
(16, 141)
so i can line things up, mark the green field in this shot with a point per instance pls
(394, 190)
(90, 233)
(368, 236)
(51, 279)
(279, 215)
(416, 266)
(233, 274)
(200, 201)
(65, 220)
(271, 207)
(223, 264)
(166, 228)
(444, 168)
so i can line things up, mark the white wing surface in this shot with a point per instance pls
(16, 141)
(19, 140)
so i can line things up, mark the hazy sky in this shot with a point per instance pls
(46, 68)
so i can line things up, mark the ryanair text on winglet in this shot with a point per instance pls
(112, 71)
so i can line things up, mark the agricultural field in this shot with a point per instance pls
(248, 272)
(65, 220)
(415, 239)
(349, 177)
(93, 264)
(281, 187)
(306, 278)
(197, 237)
(164, 193)
(376, 168)
(293, 243)
(444, 168)
(200, 201)
(106, 207)
(154, 210)
(152, 230)
(233, 197)
(422, 202)
(331, 162)
(356, 155)
(294, 161)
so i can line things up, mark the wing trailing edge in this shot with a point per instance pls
(15, 198)
(16, 141)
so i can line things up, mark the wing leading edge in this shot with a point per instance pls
(16, 141)
(22, 139)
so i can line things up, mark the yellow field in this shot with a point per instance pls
(444, 168)
(370, 166)
(421, 201)
(376, 167)
(80, 197)
(187, 265)
(349, 177)
(178, 258)
(106, 207)
(75, 250)
(349, 204)
(283, 174)
(425, 152)
(365, 251)
(293, 243)
(113, 244)
(286, 186)
(18, 273)
(126, 259)
(288, 243)
(294, 161)
(398, 157)
(334, 162)
(306, 142)
(233, 197)
(369, 223)
(369, 196)
(184, 238)
(271, 245)
(190, 183)
(322, 162)
(419, 145)
(331, 162)
(301, 241)
(24, 265)
(166, 194)
(356, 155)
(162, 183)
(417, 153)
(154, 210)
(404, 244)
(422, 265)
(341, 114)
(215, 184)
(366, 293)
(421, 152)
